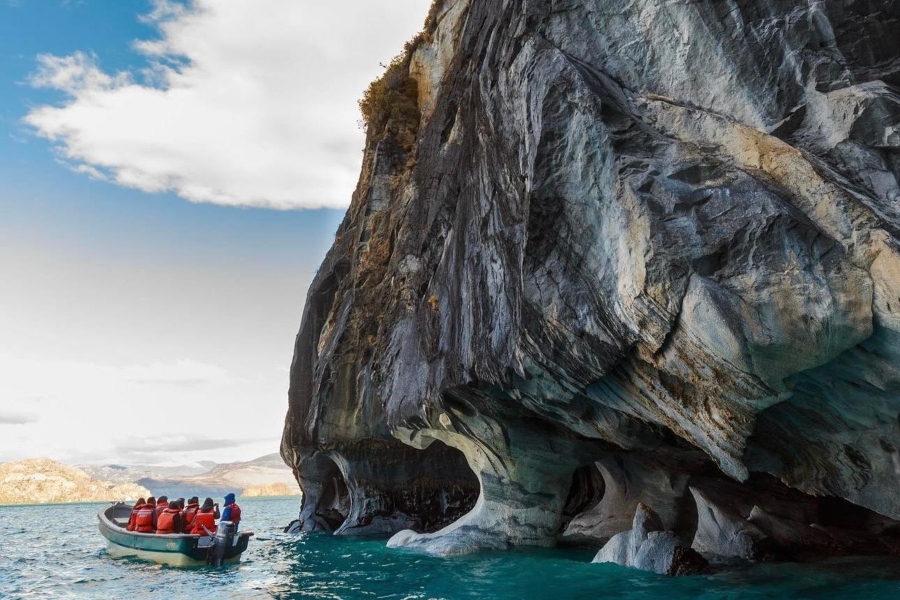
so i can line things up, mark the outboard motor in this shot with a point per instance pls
(221, 542)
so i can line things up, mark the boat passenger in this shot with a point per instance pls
(169, 520)
(187, 515)
(133, 518)
(145, 520)
(161, 505)
(232, 511)
(205, 517)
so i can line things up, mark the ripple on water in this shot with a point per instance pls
(62, 556)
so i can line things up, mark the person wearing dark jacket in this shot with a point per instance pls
(134, 511)
(205, 520)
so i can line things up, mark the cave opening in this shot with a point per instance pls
(585, 493)
(444, 490)
(844, 515)
(334, 502)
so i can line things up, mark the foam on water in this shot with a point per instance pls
(56, 552)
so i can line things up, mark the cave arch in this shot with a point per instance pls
(326, 496)
(393, 486)
(586, 492)
(334, 504)
(446, 489)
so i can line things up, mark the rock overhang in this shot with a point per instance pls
(664, 231)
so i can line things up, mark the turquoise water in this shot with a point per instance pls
(55, 552)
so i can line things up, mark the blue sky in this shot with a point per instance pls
(144, 271)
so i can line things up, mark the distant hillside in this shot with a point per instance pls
(133, 473)
(274, 489)
(257, 476)
(41, 480)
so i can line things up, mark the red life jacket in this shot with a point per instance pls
(235, 513)
(188, 516)
(143, 521)
(132, 520)
(165, 522)
(160, 507)
(203, 519)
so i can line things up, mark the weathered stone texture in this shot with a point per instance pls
(648, 547)
(657, 236)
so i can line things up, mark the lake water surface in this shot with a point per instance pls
(56, 552)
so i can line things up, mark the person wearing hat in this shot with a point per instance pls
(205, 520)
(232, 511)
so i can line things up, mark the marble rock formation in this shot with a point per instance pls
(723, 534)
(646, 546)
(621, 247)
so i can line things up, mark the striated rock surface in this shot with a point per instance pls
(615, 246)
(41, 481)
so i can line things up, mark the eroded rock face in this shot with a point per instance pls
(628, 483)
(659, 236)
(648, 547)
(723, 533)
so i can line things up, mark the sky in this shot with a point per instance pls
(171, 176)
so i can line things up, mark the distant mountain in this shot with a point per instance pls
(41, 480)
(133, 473)
(266, 475)
(274, 489)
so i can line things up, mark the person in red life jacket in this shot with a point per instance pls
(169, 520)
(232, 511)
(161, 505)
(205, 517)
(187, 515)
(145, 520)
(133, 518)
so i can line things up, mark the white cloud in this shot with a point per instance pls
(74, 73)
(181, 372)
(16, 418)
(245, 102)
(184, 410)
